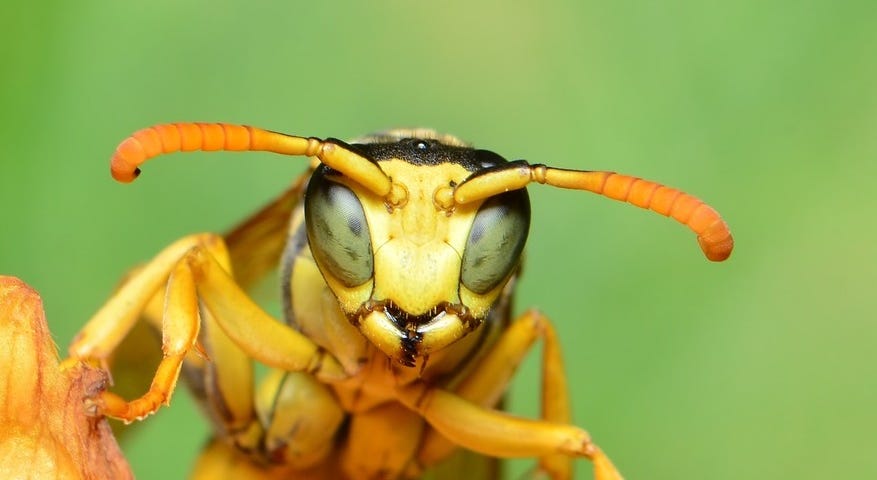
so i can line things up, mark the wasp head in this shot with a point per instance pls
(414, 270)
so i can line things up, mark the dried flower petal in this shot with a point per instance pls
(44, 429)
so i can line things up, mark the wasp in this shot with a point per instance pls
(398, 255)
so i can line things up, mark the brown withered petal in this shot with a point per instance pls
(44, 430)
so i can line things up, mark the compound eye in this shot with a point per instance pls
(496, 241)
(337, 230)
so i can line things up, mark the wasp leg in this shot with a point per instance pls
(218, 373)
(485, 385)
(256, 332)
(109, 326)
(191, 270)
(112, 323)
(179, 323)
(223, 381)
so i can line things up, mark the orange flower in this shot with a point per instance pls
(44, 429)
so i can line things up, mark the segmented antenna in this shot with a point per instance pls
(186, 137)
(712, 232)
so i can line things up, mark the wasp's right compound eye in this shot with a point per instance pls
(338, 231)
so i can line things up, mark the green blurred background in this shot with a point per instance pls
(762, 367)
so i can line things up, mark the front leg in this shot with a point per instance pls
(485, 385)
(194, 268)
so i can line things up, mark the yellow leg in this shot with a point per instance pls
(262, 337)
(103, 333)
(219, 373)
(499, 434)
(223, 380)
(196, 274)
(486, 384)
(106, 329)
(492, 432)
(179, 333)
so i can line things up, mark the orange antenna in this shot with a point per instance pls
(712, 232)
(186, 137)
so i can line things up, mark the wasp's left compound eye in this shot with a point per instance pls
(496, 241)
(337, 230)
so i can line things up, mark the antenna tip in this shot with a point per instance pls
(123, 173)
(717, 248)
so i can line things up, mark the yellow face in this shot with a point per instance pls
(417, 275)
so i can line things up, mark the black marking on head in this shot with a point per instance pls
(427, 152)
